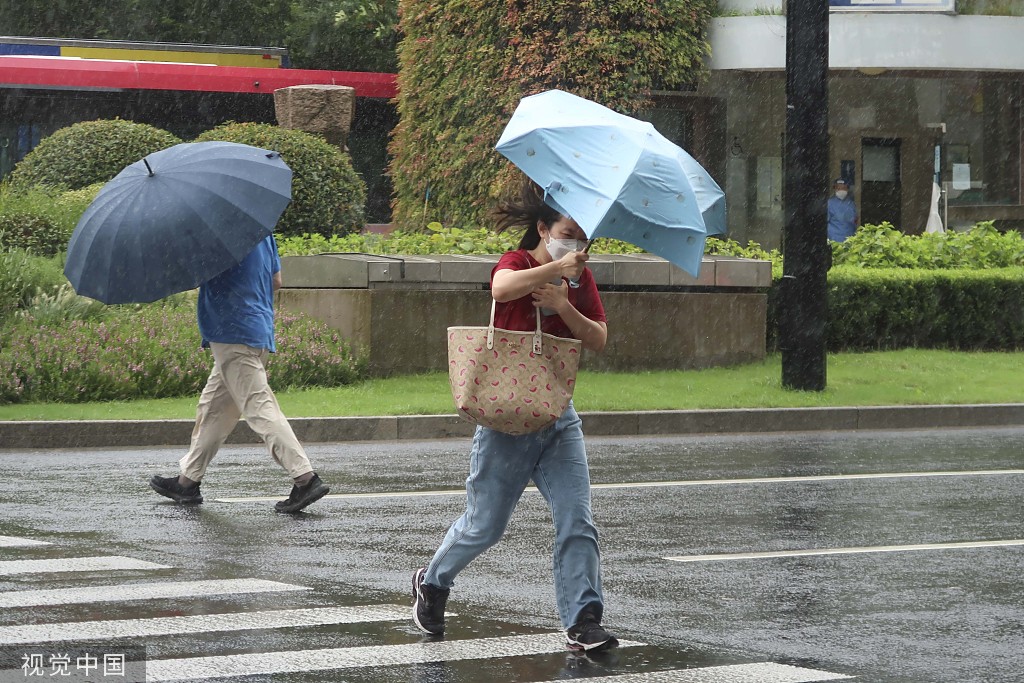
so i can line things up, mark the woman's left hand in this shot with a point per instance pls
(550, 296)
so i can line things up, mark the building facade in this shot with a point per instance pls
(907, 83)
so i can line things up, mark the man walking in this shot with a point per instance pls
(236, 321)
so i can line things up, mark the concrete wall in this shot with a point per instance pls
(404, 331)
(396, 309)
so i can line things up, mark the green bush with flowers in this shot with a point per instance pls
(150, 351)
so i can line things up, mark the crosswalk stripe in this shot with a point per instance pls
(75, 564)
(16, 542)
(760, 672)
(769, 554)
(141, 591)
(665, 484)
(201, 623)
(197, 668)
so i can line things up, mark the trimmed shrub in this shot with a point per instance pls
(73, 203)
(33, 233)
(328, 196)
(151, 352)
(890, 290)
(463, 66)
(902, 308)
(88, 152)
(896, 308)
(39, 219)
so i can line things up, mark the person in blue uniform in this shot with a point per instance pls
(842, 212)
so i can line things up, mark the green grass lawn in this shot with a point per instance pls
(854, 379)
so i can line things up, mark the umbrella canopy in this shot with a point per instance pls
(615, 175)
(175, 219)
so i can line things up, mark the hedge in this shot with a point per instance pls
(950, 309)
(896, 308)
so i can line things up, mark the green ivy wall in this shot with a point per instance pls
(465, 64)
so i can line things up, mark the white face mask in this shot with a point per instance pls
(841, 194)
(559, 248)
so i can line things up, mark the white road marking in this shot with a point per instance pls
(657, 484)
(845, 551)
(200, 623)
(197, 668)
(183, 590)
(16, 542)
(75, 564)
(760, 672)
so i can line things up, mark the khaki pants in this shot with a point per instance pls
(238, 387)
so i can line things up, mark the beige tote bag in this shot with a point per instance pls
(512, 382)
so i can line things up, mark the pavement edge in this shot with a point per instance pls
(134, 433)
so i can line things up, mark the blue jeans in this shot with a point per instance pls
(500, 467)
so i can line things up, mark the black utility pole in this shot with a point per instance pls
(806, 252)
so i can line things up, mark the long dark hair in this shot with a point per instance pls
(524, 211)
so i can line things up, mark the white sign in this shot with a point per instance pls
(961, 176)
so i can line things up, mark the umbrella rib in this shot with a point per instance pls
(195, 266)
(193, 180)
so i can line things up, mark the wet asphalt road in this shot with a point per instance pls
(949, 614)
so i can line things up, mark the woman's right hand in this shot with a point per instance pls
(571, 265)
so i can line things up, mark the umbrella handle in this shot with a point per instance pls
(576, 283)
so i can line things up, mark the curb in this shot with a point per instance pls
(136, 433)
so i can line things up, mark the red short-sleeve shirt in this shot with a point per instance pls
(519, 313)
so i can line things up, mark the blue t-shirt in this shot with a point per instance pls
(842, 218)
(237, 306)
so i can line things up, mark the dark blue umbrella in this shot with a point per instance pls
(175, 219)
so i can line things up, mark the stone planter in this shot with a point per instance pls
(396, 309)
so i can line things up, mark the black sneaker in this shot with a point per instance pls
(589, 636)
(301, 496)
(428, 605)
(169, 487)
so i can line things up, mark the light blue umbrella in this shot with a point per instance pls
(172, 221)
(616, 176)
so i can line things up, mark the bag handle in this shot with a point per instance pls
(538, 346)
